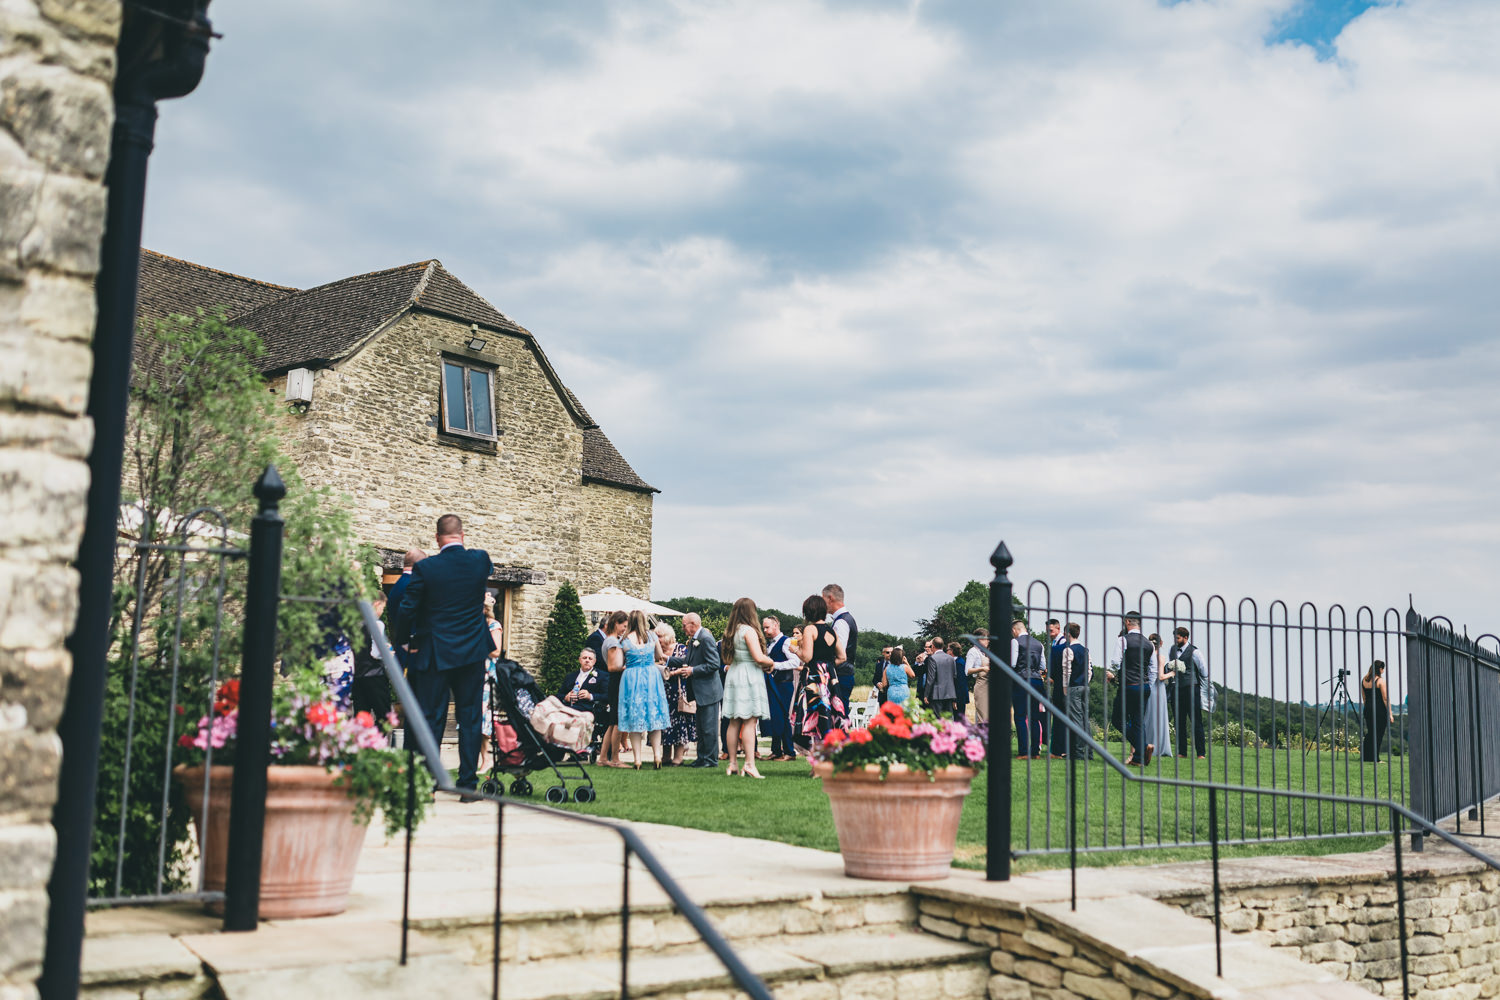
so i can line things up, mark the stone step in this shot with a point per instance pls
(658, 928)
(852, 965)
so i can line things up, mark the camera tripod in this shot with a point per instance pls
(1339, 699)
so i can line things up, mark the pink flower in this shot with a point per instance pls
(944, 744)
(955, 729)
(923, 729)
(218, 732)
(973, 749)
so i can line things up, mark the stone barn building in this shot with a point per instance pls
(411, 394)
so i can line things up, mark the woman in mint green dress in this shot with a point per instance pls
(745, 701)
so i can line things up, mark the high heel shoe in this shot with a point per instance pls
(753, 774)
(731, 771)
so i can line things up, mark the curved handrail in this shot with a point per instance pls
(1111, 761)
(416, 725)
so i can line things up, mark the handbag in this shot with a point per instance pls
(685, 704)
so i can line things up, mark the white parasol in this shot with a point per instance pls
(615, 599)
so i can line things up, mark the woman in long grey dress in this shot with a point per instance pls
(745, 701)
(1158, 730)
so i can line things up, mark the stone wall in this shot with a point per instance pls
(372, 433)
(1033, 961)
(615, 546)
(56, 66)
(1349, 929)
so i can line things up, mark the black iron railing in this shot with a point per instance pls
(633, 847)
(999, 833)
(1455, 699)
(1271, 698)
(177, 567)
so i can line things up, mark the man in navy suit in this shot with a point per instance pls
(398, 591)
(441, 622)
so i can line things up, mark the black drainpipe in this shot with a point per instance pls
(161, 54)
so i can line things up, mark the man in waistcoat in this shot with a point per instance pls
(1189, 691)
(779, 691)
(1137, 662)
(1076, 673)
(1029, 660)
(1057, 655)
(848, 633)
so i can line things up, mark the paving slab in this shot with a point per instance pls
(297, 944)
(693, 971)
(133, 957)
(861, 951)
(161, 918)
(442, 975)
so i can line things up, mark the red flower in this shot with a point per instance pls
(902, 731)
(895, 711)
(859, 736)
(227, 698)
(835, 737)
(365, 719)
(185, 740)
(321, 714)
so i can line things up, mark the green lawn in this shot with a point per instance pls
(790, 806)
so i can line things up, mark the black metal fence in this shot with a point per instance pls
(1455, 710)
(1267, 697)
(1081, 737)
(185, 610)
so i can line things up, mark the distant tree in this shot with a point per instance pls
(566, 632)
(968, 610)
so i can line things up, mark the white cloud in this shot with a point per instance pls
(1157, 301)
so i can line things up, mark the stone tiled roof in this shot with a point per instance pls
(602, 463)
(170, 287)
(318, 326)
(311, 328)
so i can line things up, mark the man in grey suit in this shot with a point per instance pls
(700, 664)
(942, 674)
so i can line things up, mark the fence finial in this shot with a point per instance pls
(1001, 559)
(269, 489)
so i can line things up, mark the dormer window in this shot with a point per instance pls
(468, 400)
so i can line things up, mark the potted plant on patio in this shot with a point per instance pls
(330, 769)
(897, 789)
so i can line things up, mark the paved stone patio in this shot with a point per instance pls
(790, 912)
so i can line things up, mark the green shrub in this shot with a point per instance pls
(566, 633)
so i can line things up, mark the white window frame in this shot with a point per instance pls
(466, 366)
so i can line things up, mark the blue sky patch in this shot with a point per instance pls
(1318, 22)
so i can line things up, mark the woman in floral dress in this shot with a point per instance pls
(684, 727)
(816, 706)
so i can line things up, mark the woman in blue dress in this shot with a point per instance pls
(642, 708)
(898, 677)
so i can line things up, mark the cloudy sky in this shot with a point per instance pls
(1195, 295)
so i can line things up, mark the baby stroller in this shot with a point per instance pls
(513, 694)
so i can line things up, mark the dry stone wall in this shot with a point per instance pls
(1350, 930)
(1033, 962)
(56, 68)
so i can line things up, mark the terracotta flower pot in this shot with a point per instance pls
(312, 842)
(900, 829)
